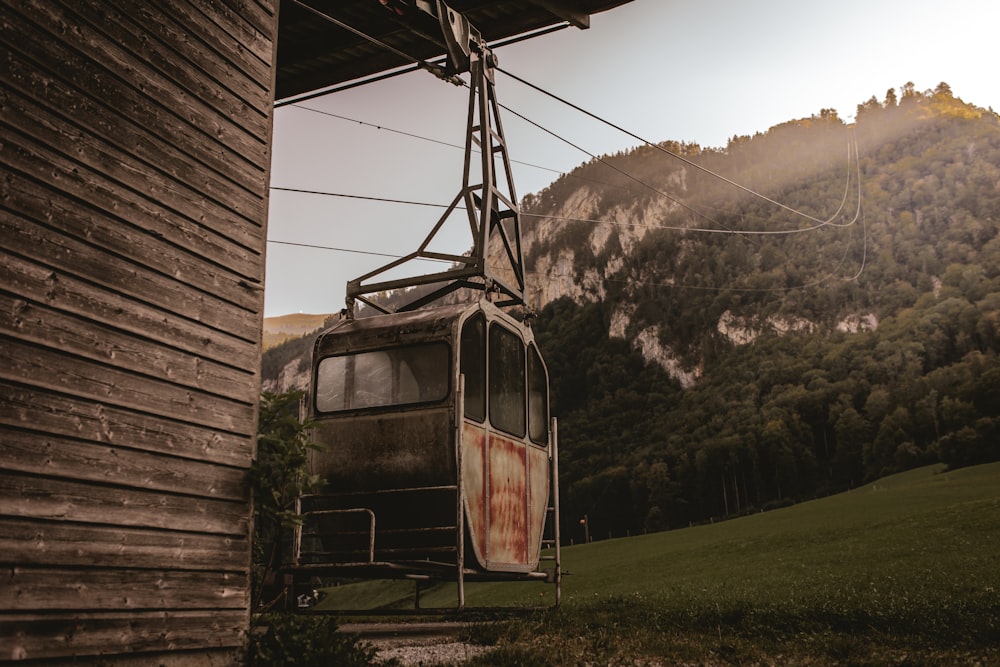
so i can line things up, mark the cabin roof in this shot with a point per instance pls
(431, 323)
(315, 53)
(392, 329)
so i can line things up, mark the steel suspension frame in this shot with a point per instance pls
(490, 203)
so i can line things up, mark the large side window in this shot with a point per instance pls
(397, 376)
(506, 381)
(473, 365)
(372, 379)
(332, 383)
(538, 398)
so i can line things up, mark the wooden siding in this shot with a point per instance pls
(134, 158)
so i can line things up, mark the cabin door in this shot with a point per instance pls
(504, 448)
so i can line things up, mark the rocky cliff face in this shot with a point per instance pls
(554, 272)
(290, 377)
(569, 255)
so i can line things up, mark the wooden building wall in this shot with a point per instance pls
(134, 156)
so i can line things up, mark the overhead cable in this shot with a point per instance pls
(637, 180)
(415, 136)
(437, 70)
(658, 147)
(365, 197)
(352, 251)
(620, 171)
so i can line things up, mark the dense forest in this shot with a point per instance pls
(870, 327)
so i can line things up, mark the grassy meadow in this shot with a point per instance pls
(902, 571)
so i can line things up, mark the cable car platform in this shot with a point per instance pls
(417, 571)
(337, 542)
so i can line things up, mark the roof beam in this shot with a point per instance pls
(566, 11)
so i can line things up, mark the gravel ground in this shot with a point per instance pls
(417, 644)
(431, 654)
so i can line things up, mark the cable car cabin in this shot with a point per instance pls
(421, 477)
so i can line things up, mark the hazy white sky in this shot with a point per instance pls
(694, 70)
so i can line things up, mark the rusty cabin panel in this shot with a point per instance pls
(538, 498)
(506, 518)
(508, 504)
(474, 465)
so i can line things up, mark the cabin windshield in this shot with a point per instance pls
(395, 376)
(506, 381)
(538, 398)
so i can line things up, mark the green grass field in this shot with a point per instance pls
(903, 571)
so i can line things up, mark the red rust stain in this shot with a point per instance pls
(508, 497)
(474, 481)
(538, 499)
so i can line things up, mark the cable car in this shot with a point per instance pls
(439, 455)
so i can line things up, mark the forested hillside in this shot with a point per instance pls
(703, 365)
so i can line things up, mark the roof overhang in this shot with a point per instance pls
(316, 53)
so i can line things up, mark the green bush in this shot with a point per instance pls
(307, 641)
(278, 476)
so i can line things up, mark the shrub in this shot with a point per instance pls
(307, 641)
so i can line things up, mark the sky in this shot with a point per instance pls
(697, 71)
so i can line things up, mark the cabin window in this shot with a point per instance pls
(538, 398)
(397, 376)
(506, 381)
(474, 367)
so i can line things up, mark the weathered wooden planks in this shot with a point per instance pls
(133, 202)
(64, 544)
(57, 456)
(100, 180)
(185, 51)
(113, 387)
(54, 499)
(169, 111)
(51, 589)
(42, 325)
(57, 636)
(49, 412)
(31, 281)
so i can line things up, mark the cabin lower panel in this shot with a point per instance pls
(476, 491)
(506, 491)
(539, 474)
(508, 496)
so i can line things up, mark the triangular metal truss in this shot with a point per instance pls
(490, 203)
